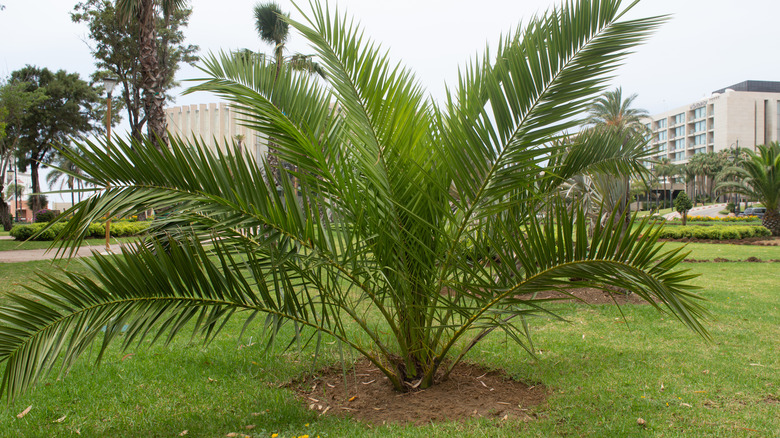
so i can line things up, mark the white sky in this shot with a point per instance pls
(707, 45)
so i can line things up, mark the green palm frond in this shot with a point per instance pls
(421, 226)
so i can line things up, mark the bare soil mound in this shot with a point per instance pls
(469, 391)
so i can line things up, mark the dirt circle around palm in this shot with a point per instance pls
(471, 391)
(363, 393)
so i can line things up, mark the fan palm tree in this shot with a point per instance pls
(152, 75)
(758, 177)
(420, 192)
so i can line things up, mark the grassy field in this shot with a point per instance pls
(603, 372)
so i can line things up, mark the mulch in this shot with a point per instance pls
(757, 241)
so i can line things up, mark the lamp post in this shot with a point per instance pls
(109, 84)
(16, 193)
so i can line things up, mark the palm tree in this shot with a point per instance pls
(666, 170)
(152, 75)
(610, 109)
(758, 177)
(420, 192)
(67, 173)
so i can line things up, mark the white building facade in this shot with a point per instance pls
(218, 125)
(743, 115)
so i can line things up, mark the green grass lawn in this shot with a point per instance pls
(603, 370)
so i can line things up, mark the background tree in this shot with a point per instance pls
(665, 170)
(274, 30)
(15, 101)
(67, 173)
(682, 203)
(146, 14)
(420, 190)
(114, 45)
(71, 108)
(758, 177)
(612, 112)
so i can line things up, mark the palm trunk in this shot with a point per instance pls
(771, 221)
(151, 76)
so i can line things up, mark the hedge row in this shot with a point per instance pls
(96, 230)
(716, 232)
(720, 219)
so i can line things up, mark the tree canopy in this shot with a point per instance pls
(71, 108)
(115, 47)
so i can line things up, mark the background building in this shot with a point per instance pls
(742, 115)
(218, 125)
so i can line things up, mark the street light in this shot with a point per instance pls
(109, 84)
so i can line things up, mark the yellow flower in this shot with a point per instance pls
(274, 435)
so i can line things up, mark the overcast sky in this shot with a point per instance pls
(707, 44)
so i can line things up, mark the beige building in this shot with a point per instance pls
(217, 125)
(744, 115)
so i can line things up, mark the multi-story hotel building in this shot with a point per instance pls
(743, 115)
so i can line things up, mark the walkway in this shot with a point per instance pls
(707, 210)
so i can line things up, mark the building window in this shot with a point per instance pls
(700, 126)
(662, 136)
(662, 147)
(700, 139)
(679, 144)
(699, 151)
(679, 119)
(679, 156)
(679, 131)
(661, 124)
(699, 113)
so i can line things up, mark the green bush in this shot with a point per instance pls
(96, 230)
(715, 232)
(45, 215)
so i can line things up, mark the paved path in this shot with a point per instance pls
(709, 210)
(27, 255)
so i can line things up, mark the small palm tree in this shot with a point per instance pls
(67, 173)
(419, 193)
(758, 177)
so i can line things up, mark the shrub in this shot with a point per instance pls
(715, 232)
(46, 215)
(96, 230)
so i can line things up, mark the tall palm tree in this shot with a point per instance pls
(419, 192)
(273, 29)
(758, 177)
(611, 112)
(610, 109)
(666, 170)
(152, 74)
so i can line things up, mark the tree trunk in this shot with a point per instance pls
(771, 221)
(151, 76)
(5, 214)
(36, 188)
